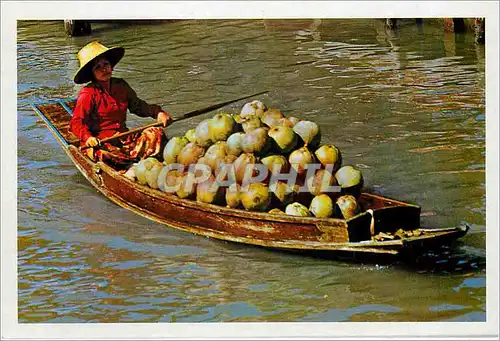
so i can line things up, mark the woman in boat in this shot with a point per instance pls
(101, 110)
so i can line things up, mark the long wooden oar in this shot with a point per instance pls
(183, 117)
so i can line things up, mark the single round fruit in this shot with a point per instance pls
(321, 206)
(299, 159)
(329, 154)
(255, 197)
(350, 179)
(346, 207)
(221, 126)
(309, 132)
(284, 138)
(297, 209)
(173, 148)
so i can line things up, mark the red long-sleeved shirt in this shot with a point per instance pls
(101, 113)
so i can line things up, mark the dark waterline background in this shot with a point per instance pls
(406, 107)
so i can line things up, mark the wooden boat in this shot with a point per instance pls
(297, 234)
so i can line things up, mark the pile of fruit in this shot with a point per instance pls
(257, 160)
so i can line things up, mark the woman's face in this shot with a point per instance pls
(102, 70)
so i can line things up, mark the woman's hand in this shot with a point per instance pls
(163, 118)
(92, 142)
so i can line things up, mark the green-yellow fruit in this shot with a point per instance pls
(190, 154)
(187, 188)
(244, 161)
(209, 192)
(256, 108)
(329, 154)
(255, 141)
(346, 206)
(297, 209)
(276, 211)
(320, 182)
(275, 163)
(282, 193)
(173, 148)
(284, 138)
(152, 175)
(221, 126)
(234, 144)
(255, 197)
(190, 135)
(233, 199)
(350, 179)
(251, 123)
(299, 159)
(215, 153)
(309, 132)
(271, 117)
(321, 206)
(202, 134)
(143, 166)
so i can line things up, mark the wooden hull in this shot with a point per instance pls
(281, 232)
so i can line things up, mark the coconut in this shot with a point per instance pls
(234, 144)
(241, 163)
(299, 159)
(272, 160)
(204, 161)
(215, 153)
(321, 206)
(209, 192)
(309, 132)
(350, 179)
(251, 123)
(329, 154)
(297, 209)
(255, 197)
(152, 175)
(276, 211)
(227, 161)
(320, 182)
(233, 199)
(293, 120)
(190, 154)
(238, 119)
(282, 194)
(172, 149)
(190, 135)
(143, 166)
(271, 117)
(256, 108)
(285, 122)
(255, 141)
(221, 126)
(346, 207)
(187, 188)
(202, 133)
(284, 138)
(168, 178)
(130, 173)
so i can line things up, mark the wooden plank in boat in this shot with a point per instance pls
(59, 117)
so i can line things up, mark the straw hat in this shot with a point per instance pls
(90, 52)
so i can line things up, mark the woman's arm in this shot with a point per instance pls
(138, 106)
(79, 124)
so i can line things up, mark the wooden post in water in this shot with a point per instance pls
(457, 25)
(77, 27)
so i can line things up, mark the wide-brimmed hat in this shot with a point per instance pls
(90, 52)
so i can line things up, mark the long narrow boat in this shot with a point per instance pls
(331, 236)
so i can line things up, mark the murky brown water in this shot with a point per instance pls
(408, 108)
